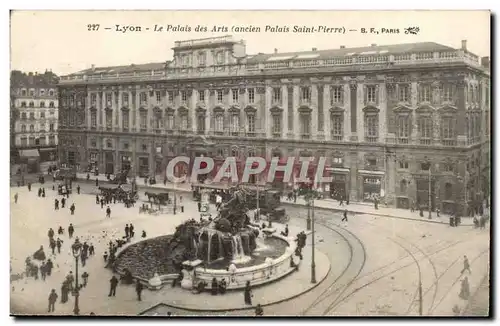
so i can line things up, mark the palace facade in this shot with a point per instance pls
(390, 119)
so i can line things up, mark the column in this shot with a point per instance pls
(120, 114)
(296, 118)
(314, 113)
(461, 106)
(326, 112)
(360, 121)
(208, 111)
(284, 102)
(136, 110)
(131, 111)
(102, 123)
(268, 105)
(414, 103)
(192, 110)
(149, 115)
(88, 112)
(382, 103)
(347, 112)
(353, 109)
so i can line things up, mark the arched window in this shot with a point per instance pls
(32, 128)
(23, 128)
(403, 186)
(219, 123)
(51, 104)
(32, 104)
(23, 104)
(448, 191)
(234, 152)
(42, 104)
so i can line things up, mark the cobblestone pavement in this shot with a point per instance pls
(381, 279)
(479, 303)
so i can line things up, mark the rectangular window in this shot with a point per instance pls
(251, 95)
(277, 95)
(170, 122)
(276, 124)
(143, 123)
(51, 127)
(184, 96)
(336, 96)
(170, 97)
(235, 95)
(251, 123)
(371, 128)
(404, 93)
(424, 93)
(337, 125)
(425, 130)
(93, 119)
(219, 123)
(201, 95)
(125, 120)
(108, 99)
(42, 115)
(235, 123)
(142, 98)
(447, 93)
(448, 131)
(184, 122)
(201, 124)
(52, 140)
(158, 97)
(371, 93)
(93, 99)
(305, 94)
(403, 131)
(219, 96)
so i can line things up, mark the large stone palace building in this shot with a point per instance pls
(382, 115)
(34, 119)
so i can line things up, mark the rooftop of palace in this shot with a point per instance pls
(335, 60)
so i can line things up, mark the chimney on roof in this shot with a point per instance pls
(92, 67)
(342, 46)
(275, 50)
(315, 49)
(485, 62)
(464, 45)
(374, 44)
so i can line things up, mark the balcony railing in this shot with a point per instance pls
(449, 142)
(371, 139)
(425, 141)
(276, 134)
(347, 63)
(336, 137)
(403, 140)
(305, 136)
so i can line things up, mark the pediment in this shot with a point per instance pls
(182, 109)
(124, 108)
(250, 109)
(142, 109)
(219, 109)
(401, 109)
(93, 109)
(425, 108)
(336, 109)
(447, 108)
(108, 109)
(304, 109)
(234, 108)
(371, 109)
(276, 109)
(170, 110)
(201, 109)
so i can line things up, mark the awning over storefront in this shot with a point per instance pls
(29, 153)
(368, 172)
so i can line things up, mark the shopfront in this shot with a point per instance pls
(338, 186)
(126, 162)
(143, 166)
(109, 163)
(371, 182)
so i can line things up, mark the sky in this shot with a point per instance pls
(61, 41)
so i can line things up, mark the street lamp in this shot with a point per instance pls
(76, 249)
(309, 196)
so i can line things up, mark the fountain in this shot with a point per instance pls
(226, 247)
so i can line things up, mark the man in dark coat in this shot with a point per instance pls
(43, 271)
(72, 209)
(52, 300)
(131, 230)
(78, 189)
(113, 283)
(108, 212)
(91, 250)
(58, 245)
(248, 294)
(60, 230)
(85, 278)
(49, 265)
(52, 245)
(50, 233)
(97, 201)
(71, 230)
(345, 216)
(64, 292)
(56, 204)
(63, 202)
(29, 186)
(126, 230)
(138, 289)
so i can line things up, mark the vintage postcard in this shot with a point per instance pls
(250, 163)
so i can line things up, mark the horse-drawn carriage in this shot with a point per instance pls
(121, 193)
(158, 198)
(120, 178)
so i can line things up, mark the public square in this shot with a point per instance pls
(370, 265)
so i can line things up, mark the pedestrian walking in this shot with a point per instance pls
(71, 230)
(52, 300)
(131, 230)
(16, 196)
(63, 202)
(248, 294)
(126, 231)
(345, 216)
(56, 204)
(72, 209)
(85, 278)
(138, 290)
(113, 283)
(466, 265)
(78, 189)
(108, 212)
(59, 243)
(91, 250)
(259, 311)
